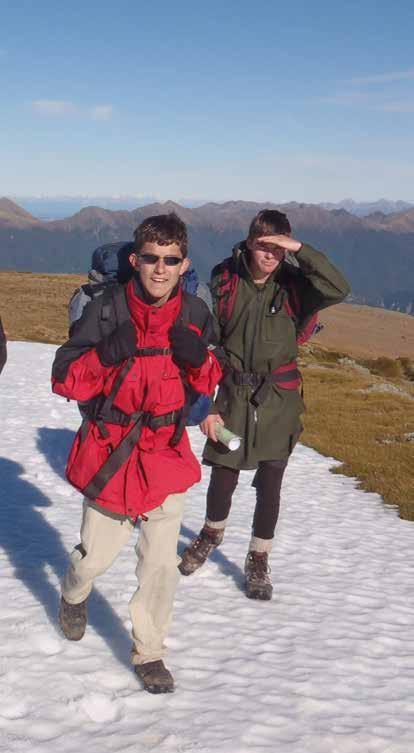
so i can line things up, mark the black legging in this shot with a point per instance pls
(267, 482)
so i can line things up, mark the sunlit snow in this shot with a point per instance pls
(326, 667)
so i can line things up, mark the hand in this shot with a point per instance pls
(283, 241)
(119, 345)
(208, 426)
(187, 347)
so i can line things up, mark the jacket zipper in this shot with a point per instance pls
(259, 294)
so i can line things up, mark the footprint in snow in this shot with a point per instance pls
(99, 708)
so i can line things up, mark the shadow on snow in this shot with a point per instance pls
(229, 568)
(34, 548)
(55, 444)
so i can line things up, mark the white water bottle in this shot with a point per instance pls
(226, 437)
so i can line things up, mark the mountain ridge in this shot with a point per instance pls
(11, 213)
(375, 253)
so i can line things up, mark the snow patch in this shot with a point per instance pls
(326, 667)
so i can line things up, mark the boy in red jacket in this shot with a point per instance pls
(133, 357)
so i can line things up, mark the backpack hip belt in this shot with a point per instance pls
(287, 377)
(120, 454)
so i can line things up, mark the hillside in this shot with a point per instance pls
(375, 254)
(41, 316)
(397, 222)
(14, 216)
(367, 332)
(35, 306)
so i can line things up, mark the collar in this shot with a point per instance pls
(142, 310)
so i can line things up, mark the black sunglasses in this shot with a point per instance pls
(169, 261)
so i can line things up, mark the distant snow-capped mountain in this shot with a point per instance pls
(364, 208)
(59, 207)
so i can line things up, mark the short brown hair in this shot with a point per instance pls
(163, 229)
(269, 222)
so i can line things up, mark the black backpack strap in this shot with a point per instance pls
(103, 413)
(193, 311)
(122, 312)
(185, 314)
(142, 352)
(120, 455)
(115, 461)
(114, 308)
(183, 319)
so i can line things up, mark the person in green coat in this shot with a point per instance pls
(265, 298)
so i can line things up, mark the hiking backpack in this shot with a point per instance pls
(109, 265)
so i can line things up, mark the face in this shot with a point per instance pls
(160, 275)
(264, 258)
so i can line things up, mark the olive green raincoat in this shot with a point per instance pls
(260, 337)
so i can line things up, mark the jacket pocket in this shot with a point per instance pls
(171, 393)
(279, 328)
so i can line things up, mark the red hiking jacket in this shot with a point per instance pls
(154, 469)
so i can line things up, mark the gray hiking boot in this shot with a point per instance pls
(155, 677)
(256, 570)
(196, 554)
(73, 619)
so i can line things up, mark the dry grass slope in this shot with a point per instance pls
(367, 332)
(35, 306)
(370, 432)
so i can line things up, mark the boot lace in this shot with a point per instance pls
(258, 567)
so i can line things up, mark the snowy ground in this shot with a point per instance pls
(326, 667)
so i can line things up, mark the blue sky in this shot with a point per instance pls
(266, 101)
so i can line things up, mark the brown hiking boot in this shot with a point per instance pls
(155, 676)
(256, 570)
(73, 619)
(196, 554)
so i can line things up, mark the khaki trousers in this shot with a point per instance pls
(102, 538)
